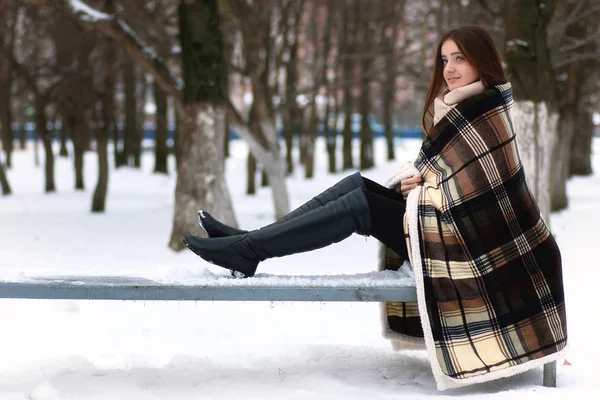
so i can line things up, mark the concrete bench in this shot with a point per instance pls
(370, 287)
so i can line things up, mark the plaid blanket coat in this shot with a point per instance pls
(487, 269)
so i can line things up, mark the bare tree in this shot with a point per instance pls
(204, 96)
(252, 23)
(534, 86)
(107, 115)
(577, 39)
(367, 48)
(581, 150)
(161, 130)
(37, 68)
(319, 36)
(391, 15)
(573, 33)
(347, 48)
(75, 95)
(8, 24)
(291, 113)
(200, 179)
(4, 182)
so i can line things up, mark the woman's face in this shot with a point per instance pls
(458, 71)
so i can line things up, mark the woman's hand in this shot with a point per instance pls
(406, 185)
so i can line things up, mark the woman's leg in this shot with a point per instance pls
(314, 229)
(387, 216)
(215, 228)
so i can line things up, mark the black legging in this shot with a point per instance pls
(387, 209)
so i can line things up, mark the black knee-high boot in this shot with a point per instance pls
(316, 228)
(215, 228)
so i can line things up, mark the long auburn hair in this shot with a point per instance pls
(478, 47)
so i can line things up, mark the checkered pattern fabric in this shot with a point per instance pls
(489, 273)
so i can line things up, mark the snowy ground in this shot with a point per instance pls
(91, 350)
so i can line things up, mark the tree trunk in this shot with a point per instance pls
(6, 84)
(251, 164)
(99, 197)
(366, 133)
(199, 170)
(291, 114)
(311, 137)
(559, 168)
(22, 135)
(388, 122)
(581, 153)
(273, 165)
(118, 146)
(42, 132)
(348, 65)
(162, 131)
(108, 120)
(331, 131)
(176, 136)
(264, 145)
(131, 113)
(4, 182)
(7, 133)
(200, 177)
(534, 87)
(390, 15)
(264, 178)
(63, 135)
(4, 88)
(118, 132)
(78, 128)
(102, 138)
(250, 174)
(103, 133)
(561, 158)
(288, 136)
(140, 117)
(364, 102)
(227, 139)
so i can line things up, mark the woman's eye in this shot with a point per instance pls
(444, 62)
(459, 58)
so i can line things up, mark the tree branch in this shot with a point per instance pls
(578, 43)
(577, 16)
(118, 30)
(157, 31)
(577, 57)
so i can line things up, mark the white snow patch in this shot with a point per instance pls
(89, 13)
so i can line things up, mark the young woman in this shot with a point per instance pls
(487, 269)
(356, 204)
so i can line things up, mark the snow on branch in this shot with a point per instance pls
(87, 13)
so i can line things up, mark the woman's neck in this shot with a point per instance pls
(459, 94)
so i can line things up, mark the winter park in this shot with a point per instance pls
(298, 199)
